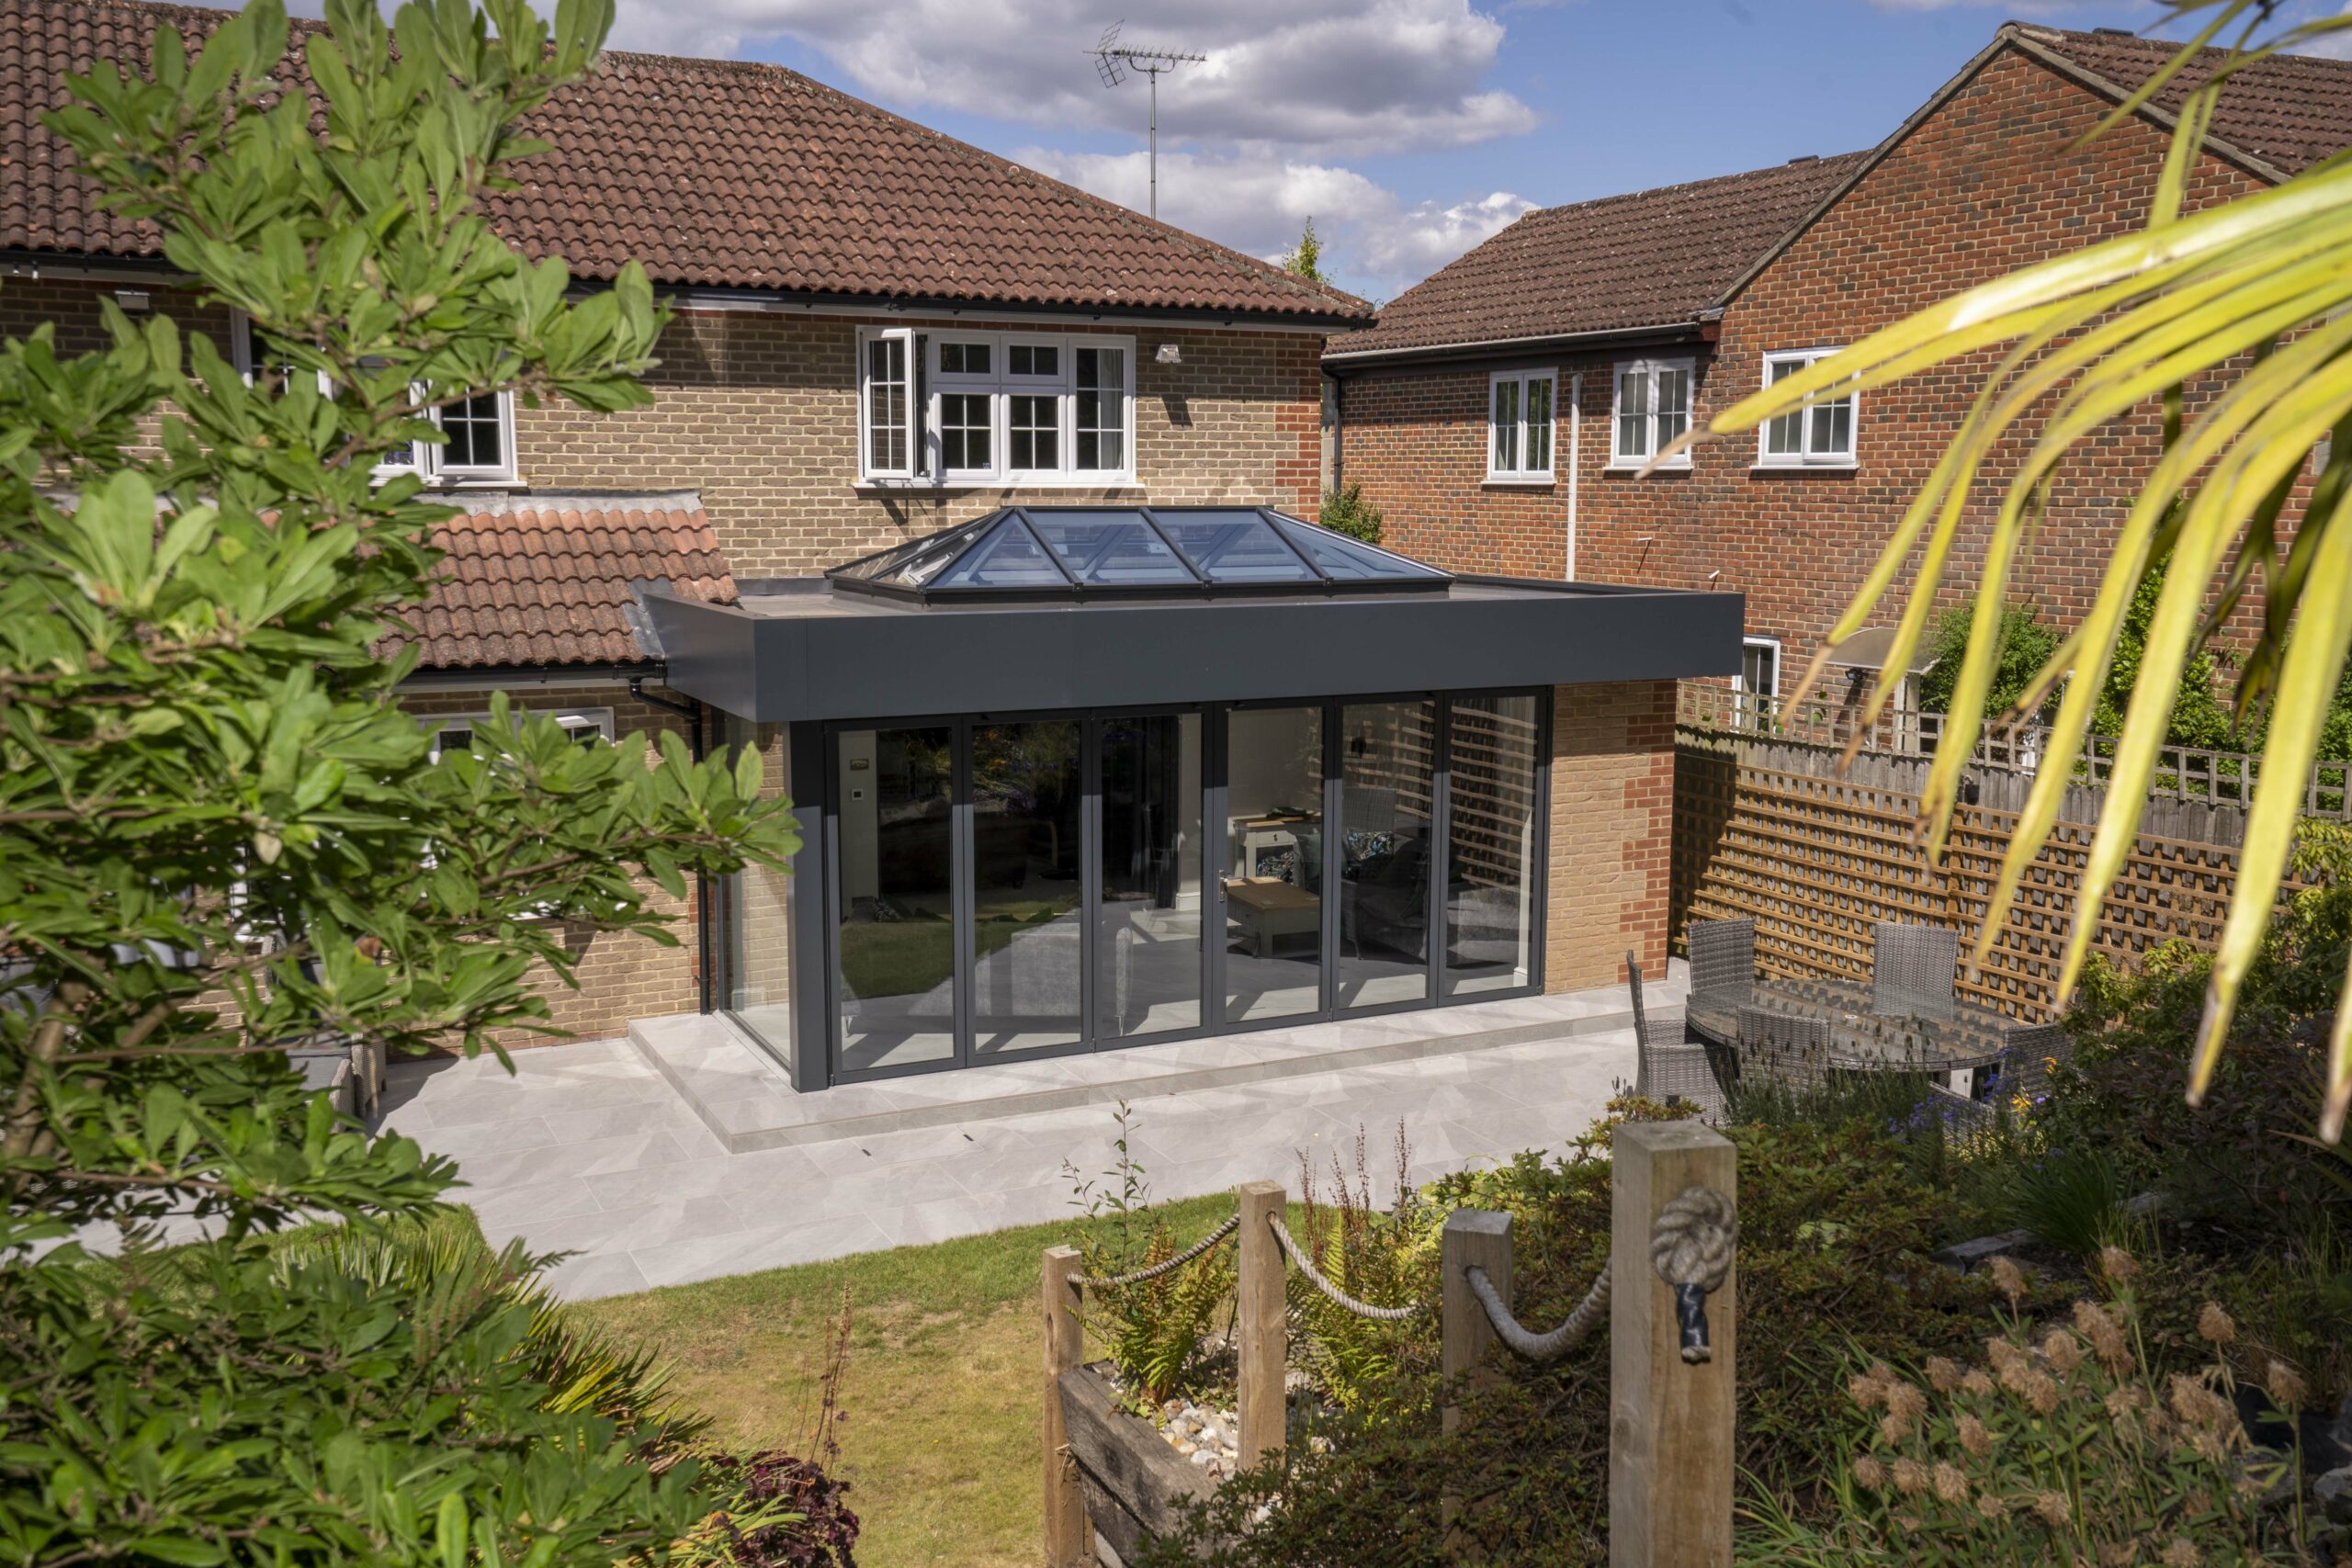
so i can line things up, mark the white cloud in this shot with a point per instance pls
(1325, 78)
(1373, 242)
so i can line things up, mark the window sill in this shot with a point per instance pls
(1521, 481)
(965, 487)
(1843, 465)
(1683, 467)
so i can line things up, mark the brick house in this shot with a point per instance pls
(1498, 410)
(971, 502)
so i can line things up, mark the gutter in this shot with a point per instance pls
(1338, 362)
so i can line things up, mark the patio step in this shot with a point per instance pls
(743, 1096)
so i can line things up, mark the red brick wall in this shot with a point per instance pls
(1612, 827)
(1990, 182)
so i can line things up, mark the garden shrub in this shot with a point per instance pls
(2242, 1163)
(1835, 1226)
(1347, 512)
(1375, 1370)
(2062, 1447)
(1153, 1331)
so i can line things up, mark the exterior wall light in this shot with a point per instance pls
(1168, 353)
(132, 300)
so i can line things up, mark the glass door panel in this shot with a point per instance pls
(1273, 873)
(895, 928)
(1387, 773)
(1027, 932)
(753, 949)
(1490, 891)
(1147, 963)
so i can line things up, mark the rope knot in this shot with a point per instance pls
(1690, 1247)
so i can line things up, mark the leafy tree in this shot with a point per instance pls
(2198, 717)
(220, 833)
(1306, 258)
(1347, 512)
(2025, 643)
(2247, 295)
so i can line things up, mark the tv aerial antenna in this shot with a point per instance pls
(1114, 60)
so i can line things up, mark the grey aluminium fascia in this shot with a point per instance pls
(1037, 657)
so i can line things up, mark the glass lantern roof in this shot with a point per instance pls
(1079, 552)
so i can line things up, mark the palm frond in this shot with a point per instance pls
(2252, 299)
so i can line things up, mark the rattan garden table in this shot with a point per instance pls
(1860, 1039)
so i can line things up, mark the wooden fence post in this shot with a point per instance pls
(1483, 1238)
(1261, 1343)
(1068, 1540)
(1669, 1422)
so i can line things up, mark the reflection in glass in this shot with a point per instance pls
(1489, 922)
(1273, 874)
(1387, 760)
(1149, 966)
(755, 913)
(1026, 928)
(897, 930)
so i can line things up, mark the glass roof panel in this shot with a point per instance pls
(1008, 558)
(1111, 549)
(1351, 560)
(1234, 547)
(913, 564)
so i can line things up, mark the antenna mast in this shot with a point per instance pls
(1113, 61)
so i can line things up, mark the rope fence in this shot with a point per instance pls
(1338, 1297)
(1226, 1227)
(1540, 1348)
(1673, 1242)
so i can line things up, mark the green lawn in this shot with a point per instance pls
(941, 1443)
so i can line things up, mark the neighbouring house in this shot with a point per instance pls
(972, 503)
(1500, 411)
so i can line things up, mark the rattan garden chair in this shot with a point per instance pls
(2028, 1052)
(1668, 1070)
(1723, 960)
(1912, 975)
(1777, 1048)
(1960, 1114)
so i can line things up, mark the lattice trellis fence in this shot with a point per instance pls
(1768, 831)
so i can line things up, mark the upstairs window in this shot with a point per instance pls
(1821, 437)
(943, 408)
(1518, 425)
(1653, 409)
(481, 429)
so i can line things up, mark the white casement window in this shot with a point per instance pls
(1519, 427)
(1653, 411)
(481, 429)
(942, 407)
(1820, 437)
(586, 727)
(1758, 684)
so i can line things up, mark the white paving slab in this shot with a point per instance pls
(608, 1162)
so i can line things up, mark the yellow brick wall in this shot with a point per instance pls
(620, 976)
(758, 411)
(1612, 820)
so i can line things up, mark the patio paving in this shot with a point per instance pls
(593, 1149)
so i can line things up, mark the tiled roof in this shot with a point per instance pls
(2290, 110)
(714, 175)
(1647, 259)
(546, 581)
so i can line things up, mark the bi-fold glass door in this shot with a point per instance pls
(1026, 886)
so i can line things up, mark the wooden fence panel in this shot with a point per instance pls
(1769, 830)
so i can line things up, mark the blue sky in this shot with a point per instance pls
(1409, 130)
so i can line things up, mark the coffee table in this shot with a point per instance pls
(1266, 908)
